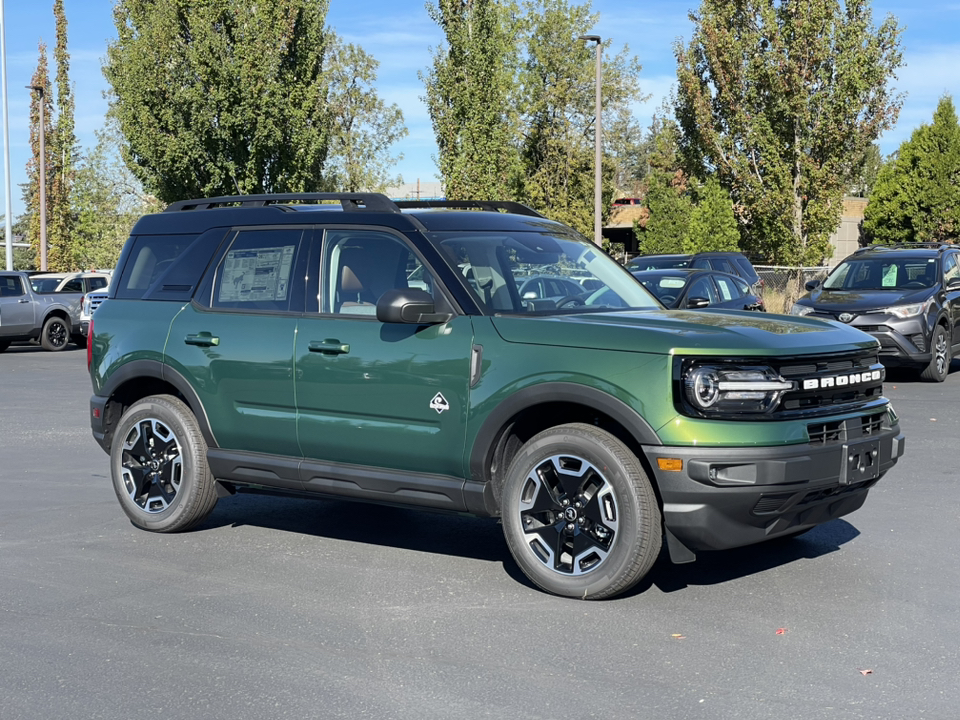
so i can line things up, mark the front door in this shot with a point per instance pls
(16, 310)
(377, 394)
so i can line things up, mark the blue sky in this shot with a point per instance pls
(400, 34)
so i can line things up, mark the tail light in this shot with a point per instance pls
(90, 345)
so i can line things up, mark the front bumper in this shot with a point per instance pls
(730, 497)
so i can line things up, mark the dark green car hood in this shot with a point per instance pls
(686, 332)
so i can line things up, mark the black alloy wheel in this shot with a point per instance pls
(579, 513)
(158, 463)
(55, 334)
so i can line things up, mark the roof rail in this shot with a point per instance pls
(906, 246)
(486, 205)
(375, 202)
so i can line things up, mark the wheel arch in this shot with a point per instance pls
(138, 379)
(533, 409)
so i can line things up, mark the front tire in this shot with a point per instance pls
(939, 366)
(158, 463)
(579, 513)
(55, 334)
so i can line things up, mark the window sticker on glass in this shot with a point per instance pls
(890, 277)
(669, 282)
(256, 274)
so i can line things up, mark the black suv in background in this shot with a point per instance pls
(907, 296)
(733, 263)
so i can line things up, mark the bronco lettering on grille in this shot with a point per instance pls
(841, 380)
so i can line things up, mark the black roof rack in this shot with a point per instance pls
(487, 205)
(374, 202)
(906, 246)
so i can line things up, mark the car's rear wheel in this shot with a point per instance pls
(579, 513)
(939, 366)
(55, 334)
(158, 463)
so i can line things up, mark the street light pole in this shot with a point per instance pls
(597, 141)
(8, 222)
(43, 179)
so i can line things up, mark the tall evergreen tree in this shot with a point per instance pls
(713, 226)
(60, 232)
(31, 189)
(778, 99)
(916, 197)
(469, 93)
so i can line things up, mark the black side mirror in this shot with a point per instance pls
(409, 305)
(954, 282)
(811, 284)
(695, 303)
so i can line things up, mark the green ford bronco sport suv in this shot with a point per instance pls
(471, 358)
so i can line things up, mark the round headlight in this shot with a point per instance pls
(705, 386)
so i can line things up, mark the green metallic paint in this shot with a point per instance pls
(685, 332)
(370, 405)
(245, 381)
(144, 334)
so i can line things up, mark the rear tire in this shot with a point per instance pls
(939, 366)
(579, 513)
(55, 334)
(158, 463)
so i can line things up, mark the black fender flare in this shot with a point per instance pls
(155, 369)
(485, 443)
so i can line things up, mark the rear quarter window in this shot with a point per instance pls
(149, 257)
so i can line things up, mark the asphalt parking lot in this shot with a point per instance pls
(284, 608)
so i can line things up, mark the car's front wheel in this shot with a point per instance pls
(158, 463)
(579, 513)
(939, 366)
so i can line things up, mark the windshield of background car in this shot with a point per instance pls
(534, 272)
(666, 286)
(883, 273)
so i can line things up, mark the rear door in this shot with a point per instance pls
(17, 311)
(377, 394)
(234, 342)
(951, 272)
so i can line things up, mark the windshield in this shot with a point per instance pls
(538, 272)
(880, 273)
(665, 285)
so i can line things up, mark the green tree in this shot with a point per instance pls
(670, 212)
(557, 98)
(31, 189)
(713, 226)
(107, 200)
(778, 99)
(916, 197)
(865, 172)
(237, 96)
(63, 250)
(469, 94)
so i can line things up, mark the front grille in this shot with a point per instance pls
(846, 369)
(873, 328)
(840, 431)
(769, 504)
(95, 301)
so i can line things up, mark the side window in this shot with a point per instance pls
(728, 288)
(256, 271)
(702, 287)
(362, 265)
(73, 286)
(11, 286)
(701, 264)
(97, 282)
(723, 265)
(950, 268)
(149, 257)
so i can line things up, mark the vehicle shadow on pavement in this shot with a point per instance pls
(402, 528)
(712, 568)
(29, 347)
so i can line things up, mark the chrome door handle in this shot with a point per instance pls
(203, 339)
(329, 347)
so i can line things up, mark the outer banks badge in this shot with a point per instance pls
(439, 403)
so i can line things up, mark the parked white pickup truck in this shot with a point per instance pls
(44, 307)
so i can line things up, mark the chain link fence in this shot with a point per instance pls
(776, 279)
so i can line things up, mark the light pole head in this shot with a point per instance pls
(591, 38)
(39, 88)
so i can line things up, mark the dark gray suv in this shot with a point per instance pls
(907, 296)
